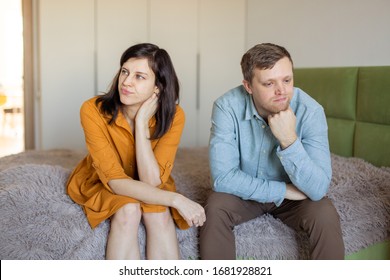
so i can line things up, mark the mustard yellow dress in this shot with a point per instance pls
(112, 156)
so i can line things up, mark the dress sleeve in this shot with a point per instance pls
(105, 158)
(166, 147)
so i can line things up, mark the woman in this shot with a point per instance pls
(132, 135)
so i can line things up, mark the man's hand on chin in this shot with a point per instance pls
(283, 125)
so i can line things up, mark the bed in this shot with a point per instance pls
(39, 221)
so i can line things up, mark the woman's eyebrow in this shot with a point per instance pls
(137, 72)
(143, 73)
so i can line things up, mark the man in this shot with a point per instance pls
(269, 153)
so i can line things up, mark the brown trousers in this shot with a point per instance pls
(317, 218)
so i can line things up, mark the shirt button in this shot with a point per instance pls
(263, 126)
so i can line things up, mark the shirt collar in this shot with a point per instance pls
(152, 121)
(250, 108)
(121, 120)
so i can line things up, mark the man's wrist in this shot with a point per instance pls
(287, 143)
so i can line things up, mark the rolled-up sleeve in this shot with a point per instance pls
(166, 147)
(105, 159)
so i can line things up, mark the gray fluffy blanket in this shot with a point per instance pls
(39, 221)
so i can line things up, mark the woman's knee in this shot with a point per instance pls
(127, 216)
(158, 220)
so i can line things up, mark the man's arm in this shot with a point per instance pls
(293, 193)
(306, 159)
(225, 159)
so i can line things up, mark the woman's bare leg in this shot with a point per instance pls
(122, 243)
(161, 239)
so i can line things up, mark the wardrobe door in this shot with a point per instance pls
(119, 25)
(173, 26)
(65, 71)
(221, 45)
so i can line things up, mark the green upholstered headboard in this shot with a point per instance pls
(357, 106)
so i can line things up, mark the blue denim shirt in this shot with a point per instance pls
(246, 159)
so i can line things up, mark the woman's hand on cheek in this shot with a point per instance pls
(147, 109)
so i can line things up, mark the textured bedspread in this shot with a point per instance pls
(39, 221)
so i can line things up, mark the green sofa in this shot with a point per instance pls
(357, 105)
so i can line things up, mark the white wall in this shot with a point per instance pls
(316, 32)
(221, 44)
(175, 30)
(324, 32)
(66, 70)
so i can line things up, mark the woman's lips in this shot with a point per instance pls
(126, 92)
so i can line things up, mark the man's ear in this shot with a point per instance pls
(247, 86)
